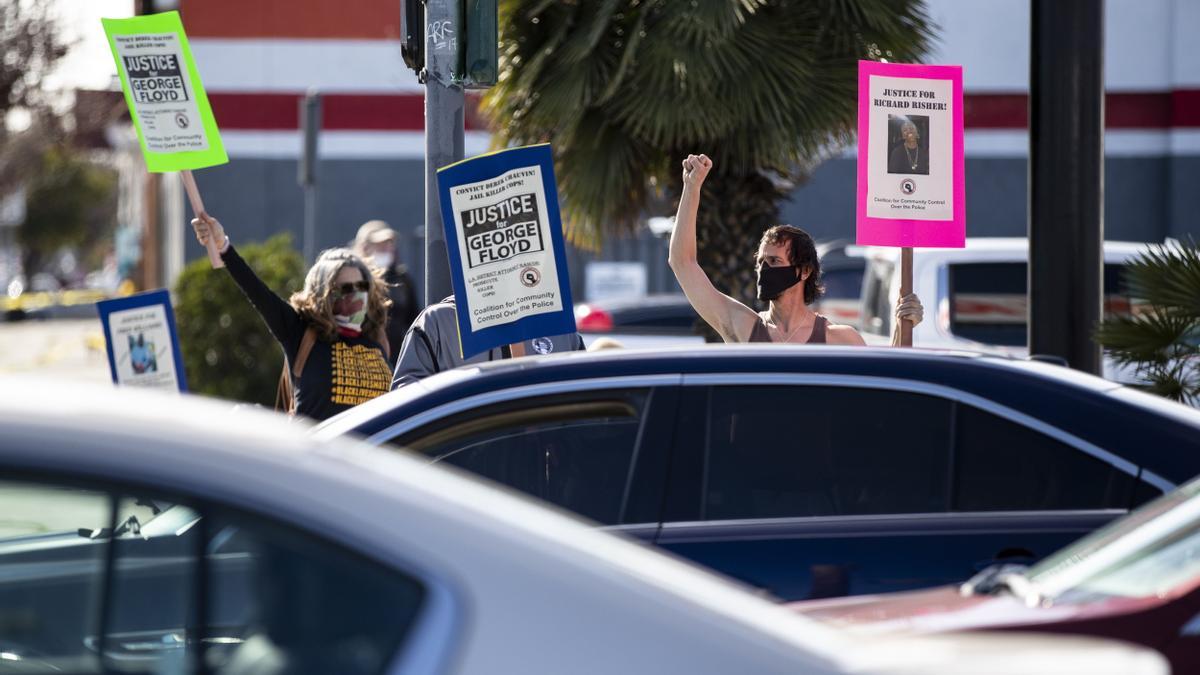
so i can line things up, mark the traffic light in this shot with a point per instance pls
(412, 31)
(476, 66)
(479, 54)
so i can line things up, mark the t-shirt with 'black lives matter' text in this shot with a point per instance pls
(337, 375)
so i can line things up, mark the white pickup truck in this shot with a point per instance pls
(975, 297)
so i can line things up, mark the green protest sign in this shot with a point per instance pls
(162, 87)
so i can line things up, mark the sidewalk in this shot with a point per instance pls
(62, 349)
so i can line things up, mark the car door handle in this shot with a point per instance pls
(1008, 556)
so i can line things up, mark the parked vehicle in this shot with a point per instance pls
(975, 297)
(1137, 580)
(143, 533)
(651, 321)
(805, 471)
(842, 269)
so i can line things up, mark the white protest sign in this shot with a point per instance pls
(166, 110)
(505, 247)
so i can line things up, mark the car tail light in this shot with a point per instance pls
(590, 319)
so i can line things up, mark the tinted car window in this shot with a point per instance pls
(1001, 465)
(876, 303)
(843, 283)
(257, 596)
(780, 451)
(576, 454)
(988, 301)
(50, 573)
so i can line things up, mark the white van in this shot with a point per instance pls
(975, 297)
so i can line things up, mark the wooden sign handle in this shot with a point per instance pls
(517, 349)
(906, 287)
(193, 193)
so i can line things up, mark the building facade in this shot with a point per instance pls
(258, 60)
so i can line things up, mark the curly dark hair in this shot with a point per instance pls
(802, 251)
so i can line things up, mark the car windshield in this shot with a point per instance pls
(1149, 552)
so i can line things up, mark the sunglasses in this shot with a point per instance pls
(342, 290)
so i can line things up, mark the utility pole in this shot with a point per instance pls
(1066, 180)
(443, 132)
(310, 122)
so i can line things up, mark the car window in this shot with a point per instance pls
(989, 304)
(876, 301)
(51, 572)
(245, 594)
(784, 451)
(576, 453)
(1003, 466)
(843, 283)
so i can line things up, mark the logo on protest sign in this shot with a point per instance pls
(530, 276)
(908, 186)
(155, 78)
(503, 230)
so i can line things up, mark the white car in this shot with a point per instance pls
(146, 533)
(975, 297)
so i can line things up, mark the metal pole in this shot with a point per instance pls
(443, 133)
(1066, 179)
(310, 122)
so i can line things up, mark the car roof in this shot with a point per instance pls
(1052, 393)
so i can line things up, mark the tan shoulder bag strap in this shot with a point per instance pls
(306, 345)
(285, 400)
(382, 339)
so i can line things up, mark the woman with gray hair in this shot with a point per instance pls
(332, 332)
(909, 155)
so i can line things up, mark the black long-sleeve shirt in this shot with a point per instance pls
(337, 375)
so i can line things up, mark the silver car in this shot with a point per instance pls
(146, 533)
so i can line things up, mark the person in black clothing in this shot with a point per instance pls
(334, 326)
(376, 244)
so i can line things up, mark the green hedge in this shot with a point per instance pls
(227, 350)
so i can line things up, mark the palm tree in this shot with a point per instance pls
(1161, 337)
(624, 89)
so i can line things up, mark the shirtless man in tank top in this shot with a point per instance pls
(788, 278)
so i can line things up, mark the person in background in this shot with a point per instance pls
(433, 345)
(789, 280)
(376, 244)
(331, 331)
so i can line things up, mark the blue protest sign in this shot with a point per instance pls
(143, 346)
(504, 238)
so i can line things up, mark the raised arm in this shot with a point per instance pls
(282, 320)
(727, 316)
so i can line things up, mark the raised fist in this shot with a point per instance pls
(695, 169)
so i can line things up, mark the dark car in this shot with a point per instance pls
(1135, 580)
(806, 471)
(652, 321)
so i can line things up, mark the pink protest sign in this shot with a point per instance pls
(910, 156)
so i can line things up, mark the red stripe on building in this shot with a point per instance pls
(1141, 110)
(1185, 108)
(339, 112)
(406, 112)
(278, 19)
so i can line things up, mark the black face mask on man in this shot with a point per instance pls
(773, 281)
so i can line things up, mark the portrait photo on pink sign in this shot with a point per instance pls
(911, 189)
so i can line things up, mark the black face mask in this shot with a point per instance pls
(773, 281)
